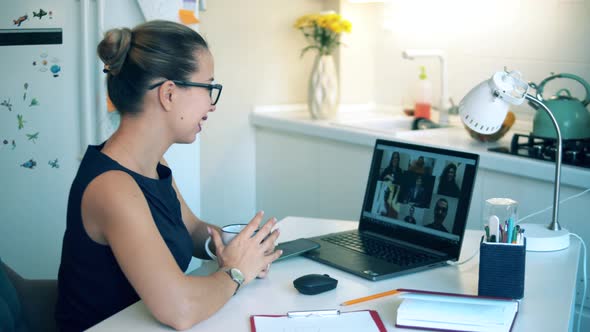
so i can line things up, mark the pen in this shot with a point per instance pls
(308, 313)
(370, 297)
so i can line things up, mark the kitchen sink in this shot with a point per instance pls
(390, 124)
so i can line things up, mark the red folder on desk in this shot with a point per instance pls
(362, 320)
(439, 311)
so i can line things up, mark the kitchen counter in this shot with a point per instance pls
(296, 119)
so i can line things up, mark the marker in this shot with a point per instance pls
(494, 224)
(510, 230)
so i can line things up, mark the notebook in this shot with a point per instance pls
(413, 216)
(455, 312)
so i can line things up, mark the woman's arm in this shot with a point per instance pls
(115, 212)
(195, 226)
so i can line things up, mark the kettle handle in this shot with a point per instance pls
(570, 76)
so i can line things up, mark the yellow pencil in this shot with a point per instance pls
(370, 297)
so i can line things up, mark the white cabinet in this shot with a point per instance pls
(300, 175)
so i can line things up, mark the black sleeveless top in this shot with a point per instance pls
(91, 284)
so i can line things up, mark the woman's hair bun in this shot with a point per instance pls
(113, 49)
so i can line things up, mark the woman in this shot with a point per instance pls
(447, 185)
(129, 234)
(392, 172)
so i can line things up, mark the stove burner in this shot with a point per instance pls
(574, 151)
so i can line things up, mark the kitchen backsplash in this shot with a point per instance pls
(479, 38)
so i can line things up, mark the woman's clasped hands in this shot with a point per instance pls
(251, 251)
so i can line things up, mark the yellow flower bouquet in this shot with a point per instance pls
(322, 31)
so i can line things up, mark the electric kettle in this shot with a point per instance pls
(570, 113)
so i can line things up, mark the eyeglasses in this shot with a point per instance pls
(214, 89)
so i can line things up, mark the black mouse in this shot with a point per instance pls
(312, 284)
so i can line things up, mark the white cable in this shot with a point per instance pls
(585, 281)
(551, 207)
(465, 261)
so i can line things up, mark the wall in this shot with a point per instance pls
(256, 52)
(480, 37)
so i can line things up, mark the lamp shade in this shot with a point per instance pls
(484, 108)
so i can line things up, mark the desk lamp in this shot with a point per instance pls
(483, 110)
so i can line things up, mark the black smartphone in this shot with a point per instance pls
(295, 247)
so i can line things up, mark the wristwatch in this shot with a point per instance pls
(235, 275)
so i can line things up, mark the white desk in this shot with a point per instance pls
(547, 305)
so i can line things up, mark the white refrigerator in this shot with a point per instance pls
(52, 104)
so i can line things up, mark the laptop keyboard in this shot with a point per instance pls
(387, 251)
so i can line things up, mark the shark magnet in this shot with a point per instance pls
(39, 14)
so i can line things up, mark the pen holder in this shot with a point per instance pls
(501, 270)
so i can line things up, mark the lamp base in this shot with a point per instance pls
(541, 238)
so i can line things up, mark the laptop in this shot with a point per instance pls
(414, 213)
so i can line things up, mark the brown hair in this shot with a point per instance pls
(134, 58)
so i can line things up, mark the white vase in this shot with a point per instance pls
(323, 95)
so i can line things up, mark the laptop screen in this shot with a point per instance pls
(419, 194)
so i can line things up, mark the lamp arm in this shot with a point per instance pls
(554, 226)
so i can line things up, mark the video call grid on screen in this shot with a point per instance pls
(419, 190)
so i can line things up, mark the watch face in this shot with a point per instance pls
(237, 275)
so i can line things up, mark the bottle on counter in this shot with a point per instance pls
(423, 96)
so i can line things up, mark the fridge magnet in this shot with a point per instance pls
(25, 94)
(54, 163)
(33, 137)
(34, 102)
(5, 142)
(6, 103)
(43, 62)
(30, 164)
(187, 16)
(21, 121)
(55, 69)
(39, 14)
(20, 20)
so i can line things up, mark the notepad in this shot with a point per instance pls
(455, 312)
(351, 321)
